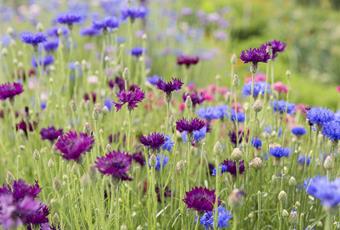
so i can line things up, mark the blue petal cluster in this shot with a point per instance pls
(260, 88)
(279, 152)
(332, 130)
(298, 131)
(168, 144)
(328, 192)
(319, 116)
(223, 218)
(303, 160)
(256, 143)
(213, 112)
(283, 107)
(237, 116)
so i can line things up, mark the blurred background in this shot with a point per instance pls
(217, 29)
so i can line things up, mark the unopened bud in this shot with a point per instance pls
(236, 80)
(285, 213)
(293, 217)
(256, 163)
(218, 148)
(258, 106)
(282, 196)
(236, 197)
(233, 59)
(328, 164)
(292, 181)
(236, 155)
(152, 160)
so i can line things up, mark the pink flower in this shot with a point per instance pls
(338, 88)
(260, 77)
(280, 87)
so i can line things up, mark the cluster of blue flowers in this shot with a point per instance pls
(223, 218)
(213, 112)
(259, 88)
(283, 107)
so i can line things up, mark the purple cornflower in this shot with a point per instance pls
(232, 167)
(33, 39)
(200, 199)
(187, 60)
(50, 133)
(10, 90)
(115, 164)
(90, 32)
(332, 130)
(237, 137)
(69, 19)
(72, 145)
(134, 13)
(298, 131)
(195, 97)
(106, 24)
(51, 45)
(19, 205)
(137, 51)
(131, 97)
(153, 141)
(189, 126)
(255, 55)
(139, 158)
(328, 192)
(319, 116)
(279, 152)
(276, 47)
(170, 86)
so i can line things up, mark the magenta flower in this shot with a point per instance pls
(139, 158)
(201, 199)
(184, 125)
(50, 133)
(131, 97)
(187, 60)
(153, 141)
(10, 90)
(72, 145)
(169, 87)
(276, 47)
(255, 55)
(195, 97)
(115, 164)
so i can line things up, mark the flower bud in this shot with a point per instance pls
(256, 163)
(236, 155)
(288, 73)
(328, 164)
(236, 80)
(218, 148)
(293, 217)
(56, 184)
(50, 163)
(282, 196)
(292, 181)
(152, 160)
(233, 59)
(236, 197)
(36, 154)
(40, 27)
(285, 213)
(258, 106)
(180, 165)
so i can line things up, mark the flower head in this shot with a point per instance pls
(213, 112)
(69, 19)
(298, 131)
(153, 141)
(276, 47)
(187, 60)
(280, 87)
(195, 97)
(283, 107)
(131, 97)
(50, 133)
(279, 152)
(201, 199)
(332, 130)
(161, 162)
(137, 51)
(33, 39)
(328, 192)
(115, 164)
(89, 32)
(168, 144)
(223, 218)
(51, 45)
(319, 116)
(256, 143)
(134, 13)
(184, 125)
(232, 167)
(303, 160)
(107, 23)
(255, 55)
(259, 88)
(10, 90)
(237, 116)
(153, 80)
(42, 61)
(139, 158)
(72, 145)
(169, 87)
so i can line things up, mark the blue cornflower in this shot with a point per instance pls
(89, 32)
(161, 162)
(69, 19)
(134, 13)
(259, 88)
(168, 144)
(328, 192)
(43, 61)
(279, 152)
(256, 143)
(108, 103)
(213, 112)
(303, 160)
(332, 130)
(283, 107)
(153, 80)
(33, 39)
(199, 134)
(51, 45)
(137, 51)
(223, 168)
(319, 116)
(298, 131)
(106, 24)
(57, 31)
(224, 216)
(237, 116)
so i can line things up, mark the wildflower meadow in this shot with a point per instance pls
(156, 114)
